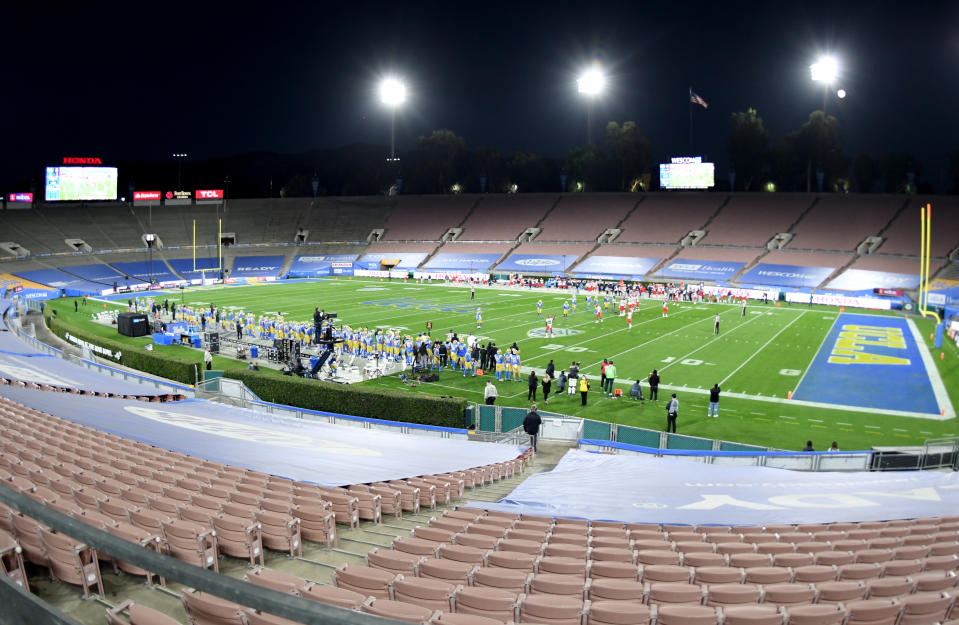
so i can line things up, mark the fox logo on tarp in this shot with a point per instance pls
(540, 333)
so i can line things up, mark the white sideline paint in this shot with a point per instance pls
(938, 388)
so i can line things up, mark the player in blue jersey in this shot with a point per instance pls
(539, 308)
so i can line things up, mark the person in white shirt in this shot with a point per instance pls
(208, 359)
(490, 393)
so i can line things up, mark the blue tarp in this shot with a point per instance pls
(640, 489)
(104, 274)
(538, 263)
(143, 271)
(615, 267)
(59, 280)
(326, 454)
(700, 269)
(317, 265)
(408, 260)
(770, 274)
(461, 262)
(863, 279)
(256, 266)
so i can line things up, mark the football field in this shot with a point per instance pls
(787, 373)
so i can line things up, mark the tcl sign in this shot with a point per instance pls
(146, 195)
(82, 160)
(209, 194)
(20, 197)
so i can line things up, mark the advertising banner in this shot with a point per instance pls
(309, 266)
(460, 262)
(408, 260)
(256, 266)
(20, 197)
(700, 269)
(537, 263)
(865, 280)
(145, 196)
(615, 267)
(786, 275)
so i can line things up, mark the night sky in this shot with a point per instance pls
(138, 81)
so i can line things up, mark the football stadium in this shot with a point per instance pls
(607, 398)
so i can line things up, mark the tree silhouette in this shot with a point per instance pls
(747, 144)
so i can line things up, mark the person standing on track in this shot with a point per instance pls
(531, 425)
(583, 388)
(713, 410)
(654, 385)
(610, 378)
(533, 381)
(672, 413)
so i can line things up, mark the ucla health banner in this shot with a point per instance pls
(320, 265)
(615, 267)
(863, 279)
(461, 262)
(700, 269)
(665, 490)
(256, 266)
(786, 275)
(407, 260)
(537, 263)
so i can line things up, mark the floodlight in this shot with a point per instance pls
(841, 94)
(392, 92)
(825, 70)
(591, 82)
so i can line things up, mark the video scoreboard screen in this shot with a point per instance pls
(72, 184)
(687, 172)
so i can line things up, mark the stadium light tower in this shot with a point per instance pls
(392, 94)
(826, 71)
(591, 84)
(179, 156)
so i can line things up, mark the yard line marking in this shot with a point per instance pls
(924, 432)
(821, 427)
(762, 413)
(745, 362)
(899, 430)
(782, 416)
(872, 427)
(842, 423)
(709, 341)
(816, 420)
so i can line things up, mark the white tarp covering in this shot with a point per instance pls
(638, 489)
(326, 454)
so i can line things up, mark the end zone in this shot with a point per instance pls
(877, 362)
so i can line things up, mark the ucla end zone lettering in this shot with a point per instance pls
(857, 343)
(873, 362)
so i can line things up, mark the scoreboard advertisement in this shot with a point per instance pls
(76, 183)
(687, 172)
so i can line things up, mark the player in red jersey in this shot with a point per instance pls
(549, 326)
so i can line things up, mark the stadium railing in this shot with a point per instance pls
(942, 453)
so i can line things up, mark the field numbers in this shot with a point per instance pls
(668, 359)
(692, 362)
(554, 347)
(791, 372)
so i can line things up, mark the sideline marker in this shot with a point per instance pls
(942, 355)
(789, 394)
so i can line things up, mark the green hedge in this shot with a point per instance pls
(169, 366)
(374, 403)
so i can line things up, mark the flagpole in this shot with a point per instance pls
(689, 103)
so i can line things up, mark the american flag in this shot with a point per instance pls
(695, 98)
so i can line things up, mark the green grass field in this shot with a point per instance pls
(756, 359)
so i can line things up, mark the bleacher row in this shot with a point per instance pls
(145, 397)
(569, 225)
(477, 567)
(189, 508)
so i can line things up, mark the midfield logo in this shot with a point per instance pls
(540, 333)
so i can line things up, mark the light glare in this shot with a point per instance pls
(841, 94)
(826, 70)
(392, 92)
(591, 82)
